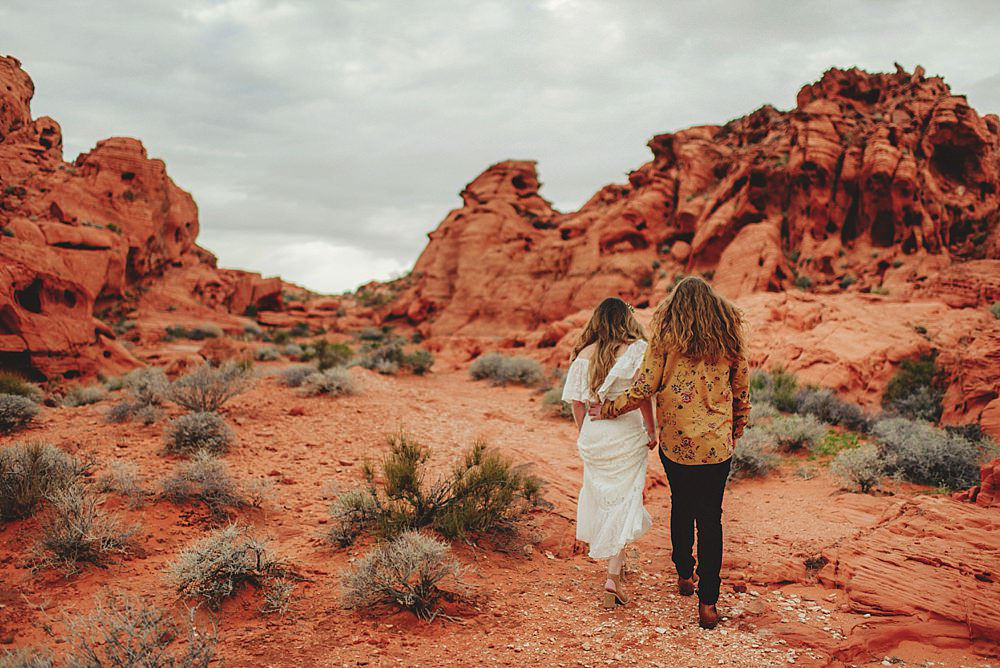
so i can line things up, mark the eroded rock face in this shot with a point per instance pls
(78, 235)
(874, 183)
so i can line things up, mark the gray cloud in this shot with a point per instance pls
(345, 129)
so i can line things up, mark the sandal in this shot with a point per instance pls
(616, 596)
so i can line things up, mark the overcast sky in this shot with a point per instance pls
(322, 140)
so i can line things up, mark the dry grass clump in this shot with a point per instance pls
(208, 480)
(123, 477)
(484, 492)
(15, 412)
(127, 631)
(75, 530)
(504, 369)
(82, 395)
(208, 388)
(405, 572)
(11, 383)
(194, 432)
(147, 389)
(30, 472)
(753, 456)
(333, 382)
(217, 566)
(26, 657)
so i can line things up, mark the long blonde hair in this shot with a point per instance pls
(611, 326)
(699, 323)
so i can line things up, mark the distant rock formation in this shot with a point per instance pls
(79, 235)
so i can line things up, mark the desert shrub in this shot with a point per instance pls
(15, 412)
(198, 431)
(26, 657)
(761, 412)
(80, 395)
(75, 530)
(294, 376)
(793, 432)
(195, 333)
(552, 400)
(419, 361)
(753, 456)
(127, 631)
(860, 467)
(266, 354)
(484, 492)
(916, 390)
(11, 383)
(30, 472)
(209, 481)
(972, 431)
(920, 453)
(829, 408)
(386, 367)
(803, 282)
(123, 477)
(327, 355)
(147, 389)
(503, 369)
(334, 382)
(371, 334)
(405, 572)
(207, 388)
(777, 388)
(834, 443)
(217, 566)
(293, 350)
(995, 310)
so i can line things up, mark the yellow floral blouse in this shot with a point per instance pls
(701, 407)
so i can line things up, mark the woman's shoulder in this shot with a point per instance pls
(586, 353)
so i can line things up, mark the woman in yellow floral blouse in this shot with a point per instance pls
(696, 367)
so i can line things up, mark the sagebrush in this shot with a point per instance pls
(920, 453)
(860, 467)
(209, 481)
(406, 571)
(777, 387)
(30, 473)
(504, 369)
(753, 456)
(16, 412)
(829, 408)
(208, 388)
(11, 383)
(198, 432)
(334, 382)
(123, 477)
(82, 395)
(794, 432)
(75, 530)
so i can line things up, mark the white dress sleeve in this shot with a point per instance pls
(575, 388)
(620, 377)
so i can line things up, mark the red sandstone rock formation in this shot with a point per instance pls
(79, 234)
(883, 183)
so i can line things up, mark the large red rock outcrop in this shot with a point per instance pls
(874, 183)
(76, 235)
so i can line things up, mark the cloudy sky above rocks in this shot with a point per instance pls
(323, 139)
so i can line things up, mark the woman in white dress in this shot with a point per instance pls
(610, 514)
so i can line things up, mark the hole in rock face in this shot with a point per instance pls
(910, 245)
(30, 298)
(72, 373)
(69, 298)
(954, 162)
(106, 354)
(519, 182)
(758, 180)
(128, 176)
(20, 364)
(883, 230)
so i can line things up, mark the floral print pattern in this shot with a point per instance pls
(701, 406)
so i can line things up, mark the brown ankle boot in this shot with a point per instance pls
(708, 616)
(685, 586)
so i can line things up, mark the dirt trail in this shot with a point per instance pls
(529, 607)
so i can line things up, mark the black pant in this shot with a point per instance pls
(696, 497)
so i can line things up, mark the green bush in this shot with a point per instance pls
(196, 333)
(327, 355)
(11, 383)
(995, 310)
(207, 388)
(419, 361)
(215, 567)
(15, 412)
(405, 572)
(80, 395)
(30, 473)
(75, 530)
(194, 432)
(753, 456)
(485, 492)
(920, 453)
(917, 388)
(829, 408)
(777, 388)
(834, 443)
(803, 282)
(503, 369)
(333, 382)
(389, 357)
(794, 432)
(860, 467)
(553, 403)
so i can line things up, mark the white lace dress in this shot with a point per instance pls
(609, 513)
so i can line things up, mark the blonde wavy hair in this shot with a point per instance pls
(699, 323)
(611, 326)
